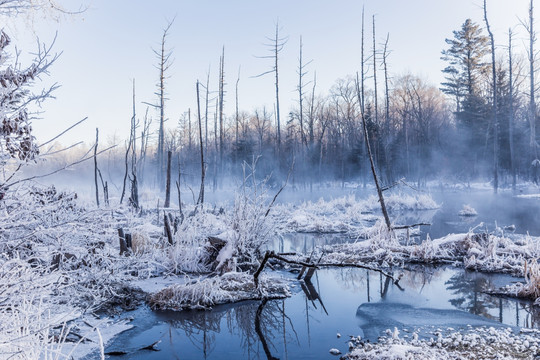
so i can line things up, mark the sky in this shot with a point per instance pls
(111, 44)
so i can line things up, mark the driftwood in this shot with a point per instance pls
(312, 267)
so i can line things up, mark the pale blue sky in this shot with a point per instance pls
(111, 44)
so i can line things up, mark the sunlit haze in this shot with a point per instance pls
(111, 44)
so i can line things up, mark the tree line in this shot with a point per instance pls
(478, 124)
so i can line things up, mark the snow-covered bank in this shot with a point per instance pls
(479, 343)
(346, 214)
(60, 256)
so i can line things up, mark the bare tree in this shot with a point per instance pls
(164, 64)
(236, 114)
(221, 95)
(301, 85)
(372, 164)
(362, 64)
(200, 200)
(511, 116)
(96, 168)
(386, 105)
(49, 8)
(533, 145)
(494, 106)
(275, 46)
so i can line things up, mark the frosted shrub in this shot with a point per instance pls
(189, 252)
(26, 319)
(531, 288)
(251, 227)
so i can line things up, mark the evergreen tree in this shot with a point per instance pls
(465, 76)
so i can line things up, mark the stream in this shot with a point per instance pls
(348, 301)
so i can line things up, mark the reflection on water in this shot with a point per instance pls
(348, 301)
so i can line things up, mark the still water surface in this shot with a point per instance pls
(348, 301)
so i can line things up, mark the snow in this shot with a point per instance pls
(230, 287)
(467, 210)
(60, 260)
(529, 196)
(346, 214)
(480, 343)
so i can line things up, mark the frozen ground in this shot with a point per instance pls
(478, 343)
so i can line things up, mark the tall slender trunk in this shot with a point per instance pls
(532, 102)
(168, 180)
(220, 96)
(375, 100)
(276, 52)
(96, 168)
(387, 110)
(200, 200)
(494, 107)
(236, 117)
(511, 117)
(373, 170)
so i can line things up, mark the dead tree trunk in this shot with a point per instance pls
(373, 170)
(511, 117)
(168, 187)
(200, 200)
(96, 168)
(168, 231)
(221, 100)
(532, 101)
(494, 106)
(387, 108)
(375, 98)
(236, 115)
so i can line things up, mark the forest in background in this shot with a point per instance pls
(480, 122)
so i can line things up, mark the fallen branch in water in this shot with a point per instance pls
(270, 254)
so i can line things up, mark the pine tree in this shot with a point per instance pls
(465, 74)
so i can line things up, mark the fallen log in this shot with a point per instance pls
(312, 267)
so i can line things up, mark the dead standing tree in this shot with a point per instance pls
(164, 63)
(533, 145)
(221, 96)
(275, 47)
(200, 200)
(301, 86)
(131, 150)
(494, 105)
(511, 110)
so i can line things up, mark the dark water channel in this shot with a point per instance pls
(347, 301)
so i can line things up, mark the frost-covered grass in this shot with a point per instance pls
(227, 288)
(347, 214)
(480, 343)
(61, 256)
(475, 251)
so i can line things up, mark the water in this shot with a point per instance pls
(349, 301)
(346, 301)
(493, 210)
